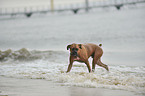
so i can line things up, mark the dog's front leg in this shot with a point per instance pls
(70, 64)
(69, 67)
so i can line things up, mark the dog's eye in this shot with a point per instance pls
(75, 49)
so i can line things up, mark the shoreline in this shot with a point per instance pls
(39, 87)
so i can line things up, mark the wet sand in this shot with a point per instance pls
(37, 87)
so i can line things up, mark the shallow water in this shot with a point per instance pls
(52, 65)
(43, 39)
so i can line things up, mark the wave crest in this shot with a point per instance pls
(19, 54)
(26, 55)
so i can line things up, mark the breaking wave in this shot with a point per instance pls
(26, 55)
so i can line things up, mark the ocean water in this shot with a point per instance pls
(35, 48)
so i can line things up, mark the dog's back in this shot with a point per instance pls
(91, 48)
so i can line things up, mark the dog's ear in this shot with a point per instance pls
(68, 46)
(80, 46)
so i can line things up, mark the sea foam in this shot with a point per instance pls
(52, 66)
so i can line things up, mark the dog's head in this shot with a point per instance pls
(74, 49)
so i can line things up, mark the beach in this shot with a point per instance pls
(34, 56)
(36, 87)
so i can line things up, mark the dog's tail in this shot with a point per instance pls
(100, 45)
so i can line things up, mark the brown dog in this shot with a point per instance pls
(82, 52)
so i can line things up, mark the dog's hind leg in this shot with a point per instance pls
(102, 65)
(94, 64)
(97, 60)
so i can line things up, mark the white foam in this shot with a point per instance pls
(119, 77)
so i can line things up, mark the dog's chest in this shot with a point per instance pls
(77, 59)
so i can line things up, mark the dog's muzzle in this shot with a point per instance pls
(74, 54)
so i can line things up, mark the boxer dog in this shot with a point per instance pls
(82, 52)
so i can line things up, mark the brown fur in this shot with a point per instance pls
(84, 52)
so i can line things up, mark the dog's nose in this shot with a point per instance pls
(74, 54)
